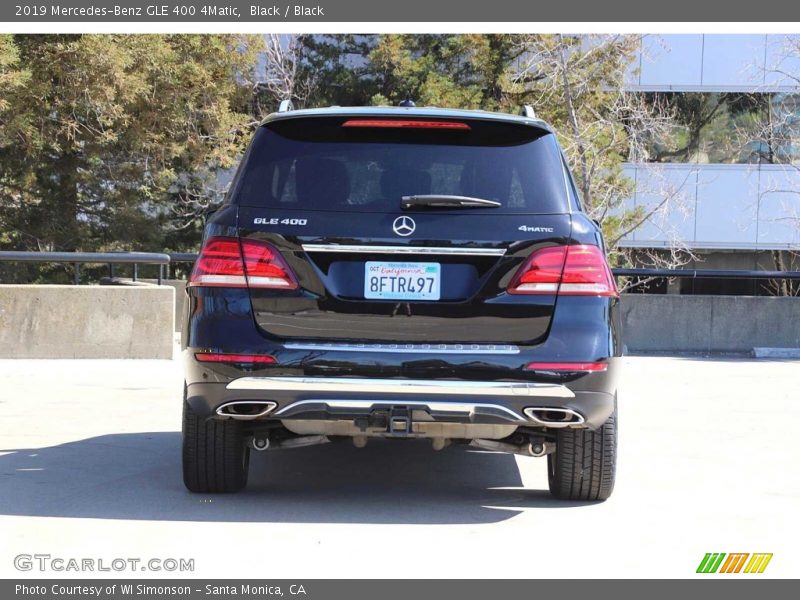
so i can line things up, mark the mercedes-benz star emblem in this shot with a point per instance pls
(404, 226)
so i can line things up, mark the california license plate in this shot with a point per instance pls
(402, 280)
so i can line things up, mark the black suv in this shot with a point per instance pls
(402, 273)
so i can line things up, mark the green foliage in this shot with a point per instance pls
(116, 141)
(460, 71)
(574, 85)
(577, 85)
(111, 132)
(12, 77)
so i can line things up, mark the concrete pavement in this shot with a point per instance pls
(90, 468)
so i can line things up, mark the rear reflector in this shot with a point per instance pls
(401, 124)
(573, 367)
(575, 270)
(263, 359)
(231, 262)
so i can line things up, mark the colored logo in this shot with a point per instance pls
(739, 562)
(404, 226)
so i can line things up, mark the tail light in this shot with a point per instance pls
(576, 270)
(231, 262)
(541, 273)
(265, 267)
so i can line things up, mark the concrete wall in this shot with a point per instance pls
(61, 321)
(44, 321)
(180, 298)
(671, 323)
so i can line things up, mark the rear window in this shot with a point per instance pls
(323, 164)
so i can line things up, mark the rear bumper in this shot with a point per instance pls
(441, 400)
(476, 383)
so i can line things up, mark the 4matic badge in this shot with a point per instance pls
(529, 229)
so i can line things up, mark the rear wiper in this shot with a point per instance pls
(445, 201)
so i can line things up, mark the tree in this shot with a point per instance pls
(119, 138)
(284, 75)
(12, 77)
(460, 71)
(778, 142)
(338, 66)
(115, 141)
(577, 84)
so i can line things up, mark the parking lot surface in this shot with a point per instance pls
(90, 468)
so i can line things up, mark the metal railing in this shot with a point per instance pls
(641, 272)
(76, 259)
(705, 274)
(164, 260)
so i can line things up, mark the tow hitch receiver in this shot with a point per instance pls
(399, 421)
(395, 420)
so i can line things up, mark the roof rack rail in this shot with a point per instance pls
(527, 111)
(285, 106)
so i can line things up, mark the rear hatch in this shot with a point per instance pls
(376, 224)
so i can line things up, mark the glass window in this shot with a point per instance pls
(784, 144)
(318, 164)
(710, 127)
(671, 60)
(731, 60)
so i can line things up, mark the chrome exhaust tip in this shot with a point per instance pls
(246, 410)
(554, 417)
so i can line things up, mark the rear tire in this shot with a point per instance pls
(584, 464)
(215, 458)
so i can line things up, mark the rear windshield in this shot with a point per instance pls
(324, 164)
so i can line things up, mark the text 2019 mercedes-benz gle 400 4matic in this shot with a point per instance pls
(402, 273)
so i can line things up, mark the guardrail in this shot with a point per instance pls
(705, 273)
(182, 257)
(164, 260)
(640, 272)
(76, 259)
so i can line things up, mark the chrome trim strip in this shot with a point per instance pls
(407, 348)
(269, 406)
(530, 412)
(457, 407)
(359, 249)
(401, 386)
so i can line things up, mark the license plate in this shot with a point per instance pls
(402, 280)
